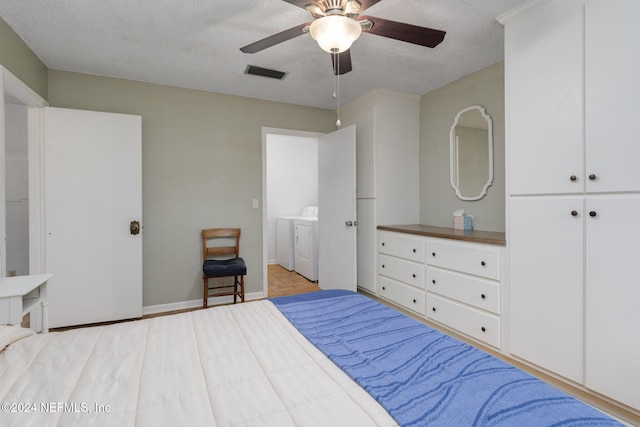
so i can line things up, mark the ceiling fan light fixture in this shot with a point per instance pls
(335, 33)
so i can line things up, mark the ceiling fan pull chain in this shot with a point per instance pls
(337, 84)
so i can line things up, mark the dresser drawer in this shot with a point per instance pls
(482, 326)
(404, 295)
(405, 271)
(480, 293)
(478, 260)
(402, 246)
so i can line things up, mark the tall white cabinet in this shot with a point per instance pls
(387, 168)
(572, 74)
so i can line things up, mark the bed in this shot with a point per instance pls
(328, 358)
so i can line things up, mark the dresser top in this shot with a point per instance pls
(477, 236)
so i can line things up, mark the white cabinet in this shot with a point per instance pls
(453, 283)
(387, 168)
(573, 187)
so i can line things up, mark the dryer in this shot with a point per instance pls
(285, 237)
(306, 247)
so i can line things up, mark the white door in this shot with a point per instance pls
(93, 175)
(612, 297)
(546, 247)
(337, 210)
(612, 90)
(545, 131)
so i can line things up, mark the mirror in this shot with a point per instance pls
(471, 152)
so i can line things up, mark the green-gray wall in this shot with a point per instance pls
(16, 56)
(438, 109)
(201, 168)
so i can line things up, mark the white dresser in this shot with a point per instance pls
(450, 277)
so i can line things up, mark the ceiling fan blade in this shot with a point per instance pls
(273, 40)
(364, 4)
(405, 32)
(344, 62)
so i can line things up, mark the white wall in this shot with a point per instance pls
(292, 180)
(17, 190)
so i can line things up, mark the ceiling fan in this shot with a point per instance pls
(337, 24)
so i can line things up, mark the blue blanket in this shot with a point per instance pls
(424, 377)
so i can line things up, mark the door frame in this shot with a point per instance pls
(14, 91)
(265, 230)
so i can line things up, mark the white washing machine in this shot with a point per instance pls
(306, 247)
(285, 242)
(285, 237)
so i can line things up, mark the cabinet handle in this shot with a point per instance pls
(382, 265)
(433, 308)
(574, 213)
(592, 177)
(414, 251)
(483, 329)
(414, 276)
(433, 254)
(573, 178)
(483, 296)
(433, 281)
(593, 213)
(382, 243)
(414, 301)
(483, 263)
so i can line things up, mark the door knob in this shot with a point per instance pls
(134, 227)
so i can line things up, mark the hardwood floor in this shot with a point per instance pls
(283, 282)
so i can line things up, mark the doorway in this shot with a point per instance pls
(290, 184)
(21, 192)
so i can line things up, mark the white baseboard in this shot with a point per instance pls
(163, 308)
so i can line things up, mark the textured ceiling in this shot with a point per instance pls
(195, 44)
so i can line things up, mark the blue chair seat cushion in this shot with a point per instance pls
(226, 267)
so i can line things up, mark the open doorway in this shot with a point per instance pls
(290, 188)
(21, 190)
(16, 190)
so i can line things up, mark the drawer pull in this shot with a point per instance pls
(384, 289)
(382, 243)
(483, 263)
(414, 301)
(434, 309)
(483, 296)
(414, 251)
(382, 265)
(483, 329)
(574, 213)
(573, 178)
(433, 281)
(593, 213)
(592, 177)
(414, 276)
(433, 254)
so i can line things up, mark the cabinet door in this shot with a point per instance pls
(612, 92)
(544, 76)
(613, 298)
(546, 283)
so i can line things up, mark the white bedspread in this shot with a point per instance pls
(240, 365)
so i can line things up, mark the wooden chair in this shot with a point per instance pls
(230, 266)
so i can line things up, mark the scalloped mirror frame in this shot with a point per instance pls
(453, 153)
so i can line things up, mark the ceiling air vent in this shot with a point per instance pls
(265, 72)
